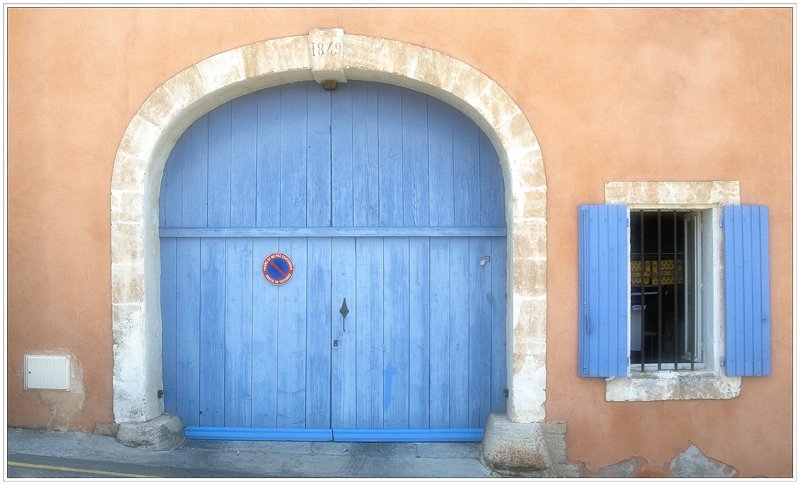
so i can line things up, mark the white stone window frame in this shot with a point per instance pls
(710, 382)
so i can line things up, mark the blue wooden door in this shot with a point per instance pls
(387, 200)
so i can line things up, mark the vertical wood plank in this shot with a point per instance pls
(764, 349)
(238, 331)
(342, 137)
(169, 337)
(294, 123)
(615, 293)
(390, 150)
(188, 330)
(479, 330)
(755, 334)
(212, 332)
(172, 192)
(366, 167)
(195, 175)
(318, 334)
(244, 113)
(343, 357)
(265, 338)
(492, 189)
(466, 171)
(395, 332)
(440, 332)
(318, 172)
(459, 332)
(369, 315)
(292, 339)
(734, 306)
(599, 297)
(440, 149)
(748, 291)
(419, 332)
(219, 166)
(416, 211)
(497, 307)
(268, 158)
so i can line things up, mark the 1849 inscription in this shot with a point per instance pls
(322, 49)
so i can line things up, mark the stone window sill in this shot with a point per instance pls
(672, 385)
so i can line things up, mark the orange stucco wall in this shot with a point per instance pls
(612, 94)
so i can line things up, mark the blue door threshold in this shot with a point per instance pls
(347, 435)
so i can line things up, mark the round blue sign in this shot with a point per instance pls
(277, 268)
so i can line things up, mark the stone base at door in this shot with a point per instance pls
(527, 449)
(164, 432)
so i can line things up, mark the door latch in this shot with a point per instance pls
(486, 259)
(344, 311)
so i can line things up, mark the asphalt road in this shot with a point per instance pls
(33, 466)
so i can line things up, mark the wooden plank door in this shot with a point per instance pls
(385, 199)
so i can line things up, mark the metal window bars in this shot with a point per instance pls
(662, 279)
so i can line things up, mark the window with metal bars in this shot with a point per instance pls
(665, 276)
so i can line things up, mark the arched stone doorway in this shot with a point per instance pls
(322, 55)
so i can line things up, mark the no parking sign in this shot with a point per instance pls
(277, 268)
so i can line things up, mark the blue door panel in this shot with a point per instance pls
(420, 354)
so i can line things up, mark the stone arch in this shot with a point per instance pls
(323, 55)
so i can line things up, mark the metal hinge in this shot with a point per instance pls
(160, 393)
(505, 393)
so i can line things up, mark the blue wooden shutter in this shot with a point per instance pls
(603, 260)
(747, 316)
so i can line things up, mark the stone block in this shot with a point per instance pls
(515, 447)
(139, 139)
(164, 432)
(106, 429)
(222, 70)
(127, 282)
(327, 54)
(530, 277)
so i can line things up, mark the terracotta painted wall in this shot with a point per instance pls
(612, 94)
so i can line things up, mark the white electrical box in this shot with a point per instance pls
(47, 372)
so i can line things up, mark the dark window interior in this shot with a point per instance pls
(662, 330)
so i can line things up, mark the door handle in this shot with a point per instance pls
(344, 311)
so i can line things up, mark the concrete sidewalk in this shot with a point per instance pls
(34, 453)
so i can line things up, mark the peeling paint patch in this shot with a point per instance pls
(692, 463)
(630, 467)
